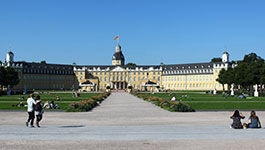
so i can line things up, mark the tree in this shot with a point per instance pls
(8, 76)
(262, 72)
(226, 77)
(130, 64)
(230, 77)
(248, 72)
(252, 57)
(222, 78)
(2, 76)
(11, 77)
(217, 59)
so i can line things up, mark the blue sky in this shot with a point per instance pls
(151, 31)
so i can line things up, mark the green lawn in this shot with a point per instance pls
(6, 102)
(50, 97)
(203, 97)
(199, 101)
(63, 106)
(228, 106)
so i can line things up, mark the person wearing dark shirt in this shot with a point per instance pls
(253, 120)
(236, 117)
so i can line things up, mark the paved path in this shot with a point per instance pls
(123, 121)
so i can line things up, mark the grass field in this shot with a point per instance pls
(200, 101)
(6, 102)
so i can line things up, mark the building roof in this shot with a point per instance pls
(225, 52)
(187, 66)
(91, 67)
(150, 82)
(87, 82)
(118, 56)
(10, 53)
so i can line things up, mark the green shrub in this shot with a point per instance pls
(87, 105)
(167, 104)
(180, 107)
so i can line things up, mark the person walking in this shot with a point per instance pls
(31, 102)
(38, 110)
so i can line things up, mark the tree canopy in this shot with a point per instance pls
(130, 64)
(217, 59)
(248, 72)
(8, 76)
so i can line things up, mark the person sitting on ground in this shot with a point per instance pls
(52, 105)
(57, 98)
(236, 117)
(173, 98)
(47, 105)
(253, 120)
(21, 104)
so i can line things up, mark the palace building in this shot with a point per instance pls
(41, 76)
(44, 76)
(194, 76)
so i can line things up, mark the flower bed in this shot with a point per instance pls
(87, 105)
(174, 106)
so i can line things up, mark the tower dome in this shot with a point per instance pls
(9, 57)
(118, 58)
(225, 57)
(118, 48)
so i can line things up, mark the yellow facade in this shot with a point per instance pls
(118, 78)
(194, 76)
(191, 82)
(123, 78)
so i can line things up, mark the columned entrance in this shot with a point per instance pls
(119, 85)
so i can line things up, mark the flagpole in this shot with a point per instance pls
(118, 39)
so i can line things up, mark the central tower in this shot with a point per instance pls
(118, 58)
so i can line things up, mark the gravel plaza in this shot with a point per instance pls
(124, 121)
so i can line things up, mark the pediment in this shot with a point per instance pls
(118, 68)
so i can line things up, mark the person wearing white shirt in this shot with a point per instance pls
(31, 103)
(173, 98)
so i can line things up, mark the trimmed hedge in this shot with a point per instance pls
(87, 105)
(173, 106)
